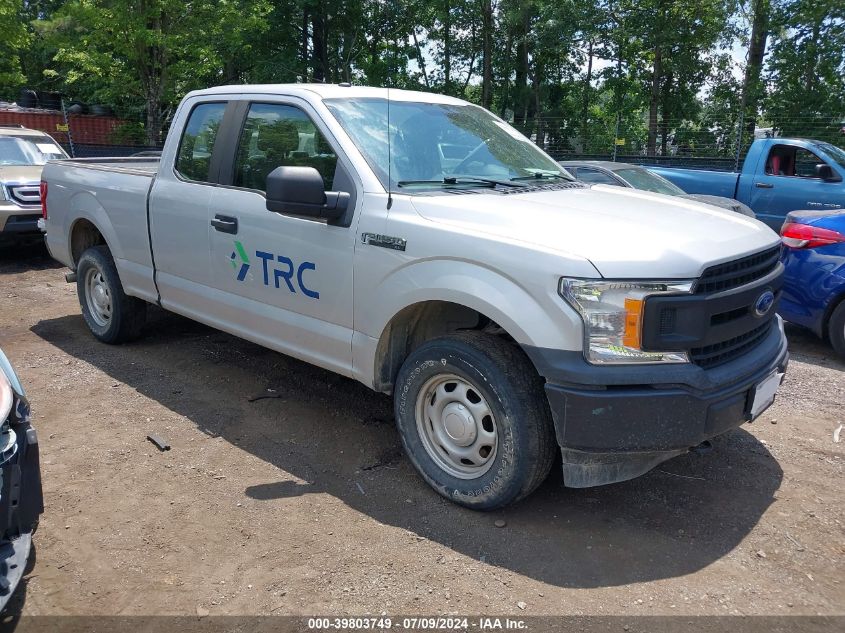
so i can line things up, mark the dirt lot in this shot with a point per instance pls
(301, 502)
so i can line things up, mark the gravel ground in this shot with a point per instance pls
(300, 502)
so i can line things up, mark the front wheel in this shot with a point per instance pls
(111, 315)
(474, 419)
(836, 329)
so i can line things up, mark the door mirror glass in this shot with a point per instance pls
(825, 172)
(301, 191)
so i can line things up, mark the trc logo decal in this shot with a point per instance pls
(241, 253)
(287, 272)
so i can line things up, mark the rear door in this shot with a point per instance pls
(178, 211)
(280, 280)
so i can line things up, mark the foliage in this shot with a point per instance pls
(574, 75)
(15, 39)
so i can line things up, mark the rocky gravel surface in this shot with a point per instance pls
(285, 492)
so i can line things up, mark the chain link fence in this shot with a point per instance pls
(707, 143)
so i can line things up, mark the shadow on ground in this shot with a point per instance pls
(338, 437)
(20, 258)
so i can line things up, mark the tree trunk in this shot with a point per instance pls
(506, 75)
(665, 113)
(152, 98)
(487, 53)
(522, 96)
(585, 105)
(319, 43)
(420, 58)
(447, 49)
(303, 52)
(538, 120)
(654, 101)
(812, 60)
(751, 87)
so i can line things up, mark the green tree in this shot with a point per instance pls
(15, 40)
(806, 69)
(149, 52)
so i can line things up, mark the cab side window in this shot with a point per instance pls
(280, 135)
(786, 160)
(197, 143)
(586, 174)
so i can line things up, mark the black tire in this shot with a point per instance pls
(127, 314)
(510, 386)
(836, 329)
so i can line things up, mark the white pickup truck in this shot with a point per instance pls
(510, 310)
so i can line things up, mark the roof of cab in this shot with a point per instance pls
(15, 130)
(604, 164)
(329, 91)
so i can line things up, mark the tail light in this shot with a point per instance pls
(43, 199)
(796, 235)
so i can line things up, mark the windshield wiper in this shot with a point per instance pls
(541, 176)
(460, 180)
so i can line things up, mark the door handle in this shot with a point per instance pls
(763, 185)
(225, 224)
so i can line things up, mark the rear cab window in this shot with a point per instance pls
(193, 160)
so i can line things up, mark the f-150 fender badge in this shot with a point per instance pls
(385, 241)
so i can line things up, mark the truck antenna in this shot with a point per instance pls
(389, 158)
(389, 153)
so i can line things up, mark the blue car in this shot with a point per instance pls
(814, 283)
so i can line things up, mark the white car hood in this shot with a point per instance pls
(625, 233)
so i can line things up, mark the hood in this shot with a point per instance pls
(625, 233)
(20, 174)
(721, 201)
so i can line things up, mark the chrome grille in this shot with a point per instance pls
(25, 195)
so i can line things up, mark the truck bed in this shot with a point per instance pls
(145, 165)
(709, 181)
(119, 188)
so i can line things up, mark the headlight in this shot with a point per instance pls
(6, 398)
(612, 312)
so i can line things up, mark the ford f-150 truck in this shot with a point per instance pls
(778, 175)
(421, 245)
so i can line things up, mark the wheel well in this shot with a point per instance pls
(825, 327)
(83, 235)
(418, 323)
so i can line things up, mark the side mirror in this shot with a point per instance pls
(300, 191)
(826, 173)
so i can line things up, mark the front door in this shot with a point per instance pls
(790, 183)
(283, 281)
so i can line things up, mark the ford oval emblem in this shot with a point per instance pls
(764, 303)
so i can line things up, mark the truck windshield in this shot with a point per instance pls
(28, 150)
(643, 179)
(436, 145)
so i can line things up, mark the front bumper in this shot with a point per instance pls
(615, 423)
(21, 503)
(18, 224)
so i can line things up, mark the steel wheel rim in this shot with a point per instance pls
(456, 426)
(98, 297)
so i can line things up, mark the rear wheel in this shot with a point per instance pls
(836, 329)
(111, 315)
(474, 419)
